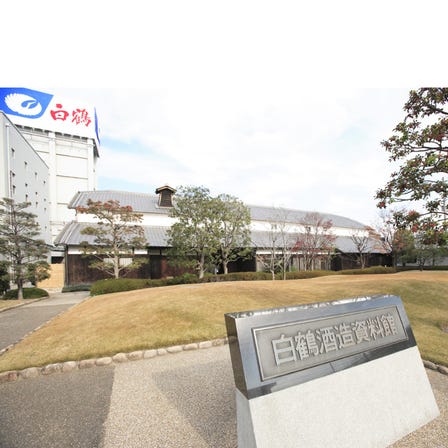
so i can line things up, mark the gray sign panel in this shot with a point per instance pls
(282, 349)
(274, 349)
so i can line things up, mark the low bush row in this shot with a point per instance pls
(129, 284)
(424, 268)
(75, 288)
(28, 293)
(371, 270)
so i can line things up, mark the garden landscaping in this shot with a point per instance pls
(151, 318)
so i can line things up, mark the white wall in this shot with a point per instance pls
(24, 174)
(72, 167)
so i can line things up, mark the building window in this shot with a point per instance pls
(13, 153)
(26, 166)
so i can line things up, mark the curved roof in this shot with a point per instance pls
(156, 236)
(260, 213)
(149, 203)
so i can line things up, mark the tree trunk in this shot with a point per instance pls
(201, 267)
(225, 267)
(116, 267)
(19, 289)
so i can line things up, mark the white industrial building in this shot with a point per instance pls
(24, 176)
(49, 149)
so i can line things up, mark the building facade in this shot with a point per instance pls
(64, 135)
(157, 221)
(24, 175)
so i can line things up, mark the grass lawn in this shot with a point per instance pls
(161, 317)
(5, 304)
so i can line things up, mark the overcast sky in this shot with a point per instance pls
(275, 102)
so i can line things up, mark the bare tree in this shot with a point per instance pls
(281, 244)
(393, 239)
(362, 241)
(316, 242)
(270, 254)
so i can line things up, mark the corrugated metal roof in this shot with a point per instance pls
(148, 203)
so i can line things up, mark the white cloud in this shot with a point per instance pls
(315, 150)
(257, 99)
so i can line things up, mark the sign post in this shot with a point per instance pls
(343, 373)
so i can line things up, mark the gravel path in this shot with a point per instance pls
(181, 400)
(187, 400)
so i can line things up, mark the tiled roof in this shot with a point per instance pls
(148, 203)
(157, 237)
(259, 213)
(72, 236)
(140, 202)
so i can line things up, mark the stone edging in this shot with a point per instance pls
(120, 358)
(432, 366)
(28, 301)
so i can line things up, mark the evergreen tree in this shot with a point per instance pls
(192, 237)
(19, 243)
(420, 144)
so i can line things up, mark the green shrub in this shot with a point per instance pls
(425, 268)
(371, 270)
(236, 277)
(28, 293)
(74, 288)
(129, 284)
(110, 285)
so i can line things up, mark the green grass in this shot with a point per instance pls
(160, 317)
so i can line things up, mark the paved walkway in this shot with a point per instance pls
(15, 323)
(177, 400)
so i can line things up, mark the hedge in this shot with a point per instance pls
(129, 284)
(424, 268)
(75, 288)
(28, 293)
(371, 270)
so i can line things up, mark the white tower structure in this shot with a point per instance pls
(64, 134)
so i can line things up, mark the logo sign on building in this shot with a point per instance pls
(42, 110)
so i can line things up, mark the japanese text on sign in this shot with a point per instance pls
(287, 348)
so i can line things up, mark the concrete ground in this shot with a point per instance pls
(176, 400)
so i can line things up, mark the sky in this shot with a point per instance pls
(280, 104)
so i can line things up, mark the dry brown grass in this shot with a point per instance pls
(5, 304)
(161, 317)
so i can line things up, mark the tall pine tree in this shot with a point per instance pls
(19, 244)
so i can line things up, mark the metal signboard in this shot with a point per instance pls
(276, 348)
